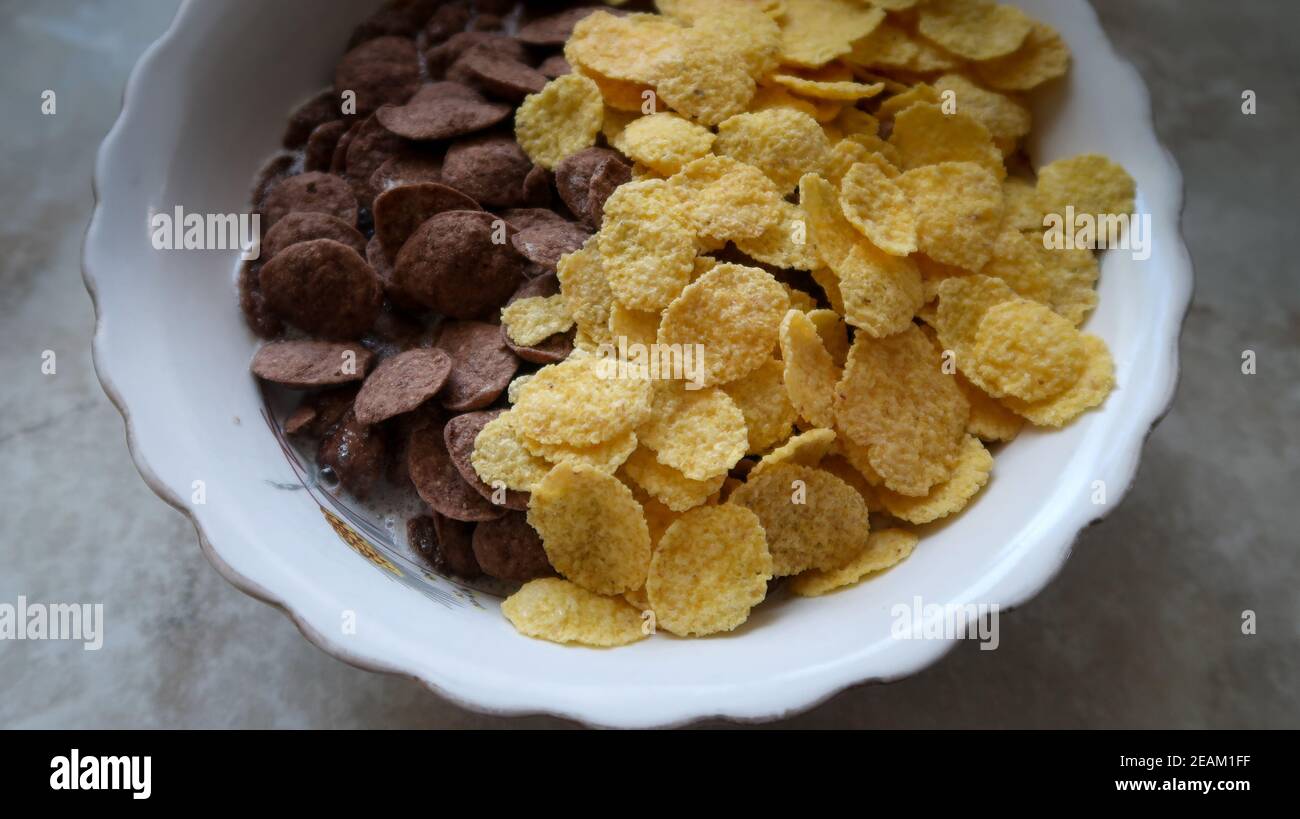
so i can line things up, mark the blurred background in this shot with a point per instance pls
(1141, 629)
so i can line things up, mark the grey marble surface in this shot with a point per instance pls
(1141, 629)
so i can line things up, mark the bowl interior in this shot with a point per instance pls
(173, 351)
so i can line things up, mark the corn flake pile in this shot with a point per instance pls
(830, 197)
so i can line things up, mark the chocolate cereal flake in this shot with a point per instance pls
(445, 544)
(545, 244)
(355, 453)
(482, 364)
(312, 192)
(574, 177)
(498, 74)
(382, 71)
(509, 549)
(304, 226)
(439, 483)
(460, 435)
(399, 211)
(459, 263)
(307, 364)
(402, 383)
(441, 117)
(322, 287)
(555, 29)
(319, 153)
(489, 169)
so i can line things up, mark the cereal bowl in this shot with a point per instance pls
(202, 112)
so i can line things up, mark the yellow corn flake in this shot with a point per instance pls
(726, 199)
(832, 236)
(930, 58)
(646, 248)
(1019, 205)
(1073, 276)
(616, 122)
(563, 612)
(826, 111)
(974, 29)
(700, 433)
(806, 449)
(810, 372)
(800, 300)
(925, 135)
(840, 467)
(782, 143)
(1090, 183)
(586, 291)
(500, 457)
(710, 570)
(735, 312)
(574, 403)
(859, 148)
(884, 549)
(626, 98)
(959, 212)
(934, 273)
(1089, 391)
(746, 29)
(665, 142)
(1016, 262)
(762, 399)
(561, 119)
(637, 326)
(706, 79)
(830, 285)
(887, 46)
(593, 530)
(638, 599)
(858, 457)
(606, 456)
(631, 48)
(989, 420)
(1025, 350)
(974, 464)
(770, 97)
(881, 293)
(877, 206)
(814, 32)
(1006, 119)
(920, 93)
(535, 319)
(813, 520)
(856, 122)
(512, 391)
(834, 334)
(667, 485)
(895, 400)
(842, 90)
(963, 301)
(1042, 57)
(657, 516)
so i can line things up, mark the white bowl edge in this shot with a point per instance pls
(760, 703)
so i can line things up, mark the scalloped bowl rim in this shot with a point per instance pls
(646, 705)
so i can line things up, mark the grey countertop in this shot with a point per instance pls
(1141, 628)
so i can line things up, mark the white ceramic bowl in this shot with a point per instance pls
(204, 109)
